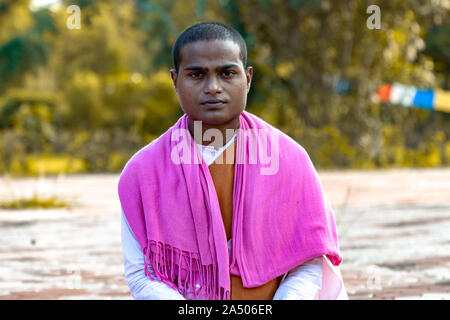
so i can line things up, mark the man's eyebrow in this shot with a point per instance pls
(230, 65)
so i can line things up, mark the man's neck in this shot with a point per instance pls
(227, 130)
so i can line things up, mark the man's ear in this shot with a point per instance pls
(249, 75)
(173, 75)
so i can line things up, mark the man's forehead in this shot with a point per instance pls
(215, 52)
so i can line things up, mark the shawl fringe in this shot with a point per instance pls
(182, 271)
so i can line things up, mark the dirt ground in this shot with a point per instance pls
(393, 228)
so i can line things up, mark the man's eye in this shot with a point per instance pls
(228, 73)
(195, 75)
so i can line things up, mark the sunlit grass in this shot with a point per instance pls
(34, 202)
(19, 198)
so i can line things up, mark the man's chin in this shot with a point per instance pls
(218, 120)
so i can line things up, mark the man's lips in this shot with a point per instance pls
(213, 103)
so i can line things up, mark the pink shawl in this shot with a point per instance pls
(281, 217)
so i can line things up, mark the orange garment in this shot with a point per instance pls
(222, 173)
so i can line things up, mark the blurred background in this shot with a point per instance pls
(80, 100)
(84, 100)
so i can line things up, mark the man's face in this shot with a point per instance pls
(211, 83)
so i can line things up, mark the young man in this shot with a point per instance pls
(223, 205)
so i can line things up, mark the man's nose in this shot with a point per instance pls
(212, 85)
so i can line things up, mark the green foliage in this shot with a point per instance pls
(21, 45)
(20, 54)
(437, 46)
(303, 50)
(329, 147)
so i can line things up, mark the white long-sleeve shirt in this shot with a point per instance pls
(301, 283)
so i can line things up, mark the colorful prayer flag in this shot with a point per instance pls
(409, 96)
